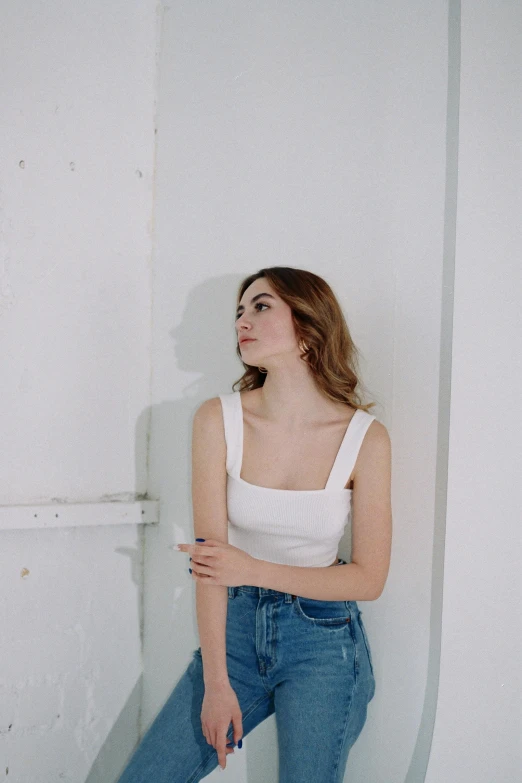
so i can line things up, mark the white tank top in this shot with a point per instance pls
(300, 527)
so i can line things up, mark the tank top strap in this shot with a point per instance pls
(233, 424)
(349, 449)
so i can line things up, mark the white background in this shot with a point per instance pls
(153, 155)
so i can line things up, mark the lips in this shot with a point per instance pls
(247, 340)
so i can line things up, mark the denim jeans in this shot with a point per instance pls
(305, 660)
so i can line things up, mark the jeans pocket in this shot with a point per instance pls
(365, 639)
(328, 613)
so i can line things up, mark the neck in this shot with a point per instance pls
(293, 397)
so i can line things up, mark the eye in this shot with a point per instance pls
(257, 304)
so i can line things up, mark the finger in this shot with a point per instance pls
(222, 749)
(202, 570)
(207, 733)
(202, 579)
(228, 751)
(196, 553)
(215, 743)
(222, 754)
(201, 559)
(237, 722)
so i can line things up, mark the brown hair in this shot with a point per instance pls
(320, 323)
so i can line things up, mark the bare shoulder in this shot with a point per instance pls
(378, 433)
(377, 438)
(208, 434)
(209, 412)
(375, 451)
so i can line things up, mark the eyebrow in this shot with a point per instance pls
(254, 299)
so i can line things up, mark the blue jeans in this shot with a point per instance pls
(305, 660)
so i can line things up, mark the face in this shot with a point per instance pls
(268, 320)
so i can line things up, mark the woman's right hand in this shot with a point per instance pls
(220, 709)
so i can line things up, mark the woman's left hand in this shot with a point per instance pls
(216, 563)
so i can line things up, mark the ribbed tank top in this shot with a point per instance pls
(300, 527)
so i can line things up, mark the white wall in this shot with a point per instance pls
(77, 84)
(478, 729)
(309, 134)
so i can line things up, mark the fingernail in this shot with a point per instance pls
(175, 546)
(240, 743)
(200, 539)
(190, 570)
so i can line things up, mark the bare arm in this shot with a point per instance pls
(209, 503)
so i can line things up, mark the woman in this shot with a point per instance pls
(278, 469)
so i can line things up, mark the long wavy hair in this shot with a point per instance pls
(320, 324)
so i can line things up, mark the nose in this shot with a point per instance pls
(241, 324)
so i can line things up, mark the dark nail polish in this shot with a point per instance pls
(240, 743)
(200, 539)
(190, 570)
